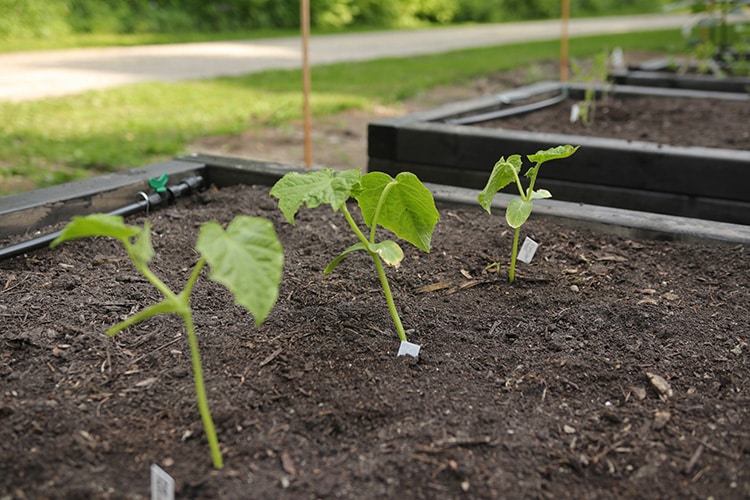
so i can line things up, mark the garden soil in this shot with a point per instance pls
(677, 121)
(611, 367)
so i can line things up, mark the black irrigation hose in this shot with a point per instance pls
(148, 202)
(516, 110)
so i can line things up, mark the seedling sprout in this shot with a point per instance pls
(248, 247)
(402, 205)
(519, 209)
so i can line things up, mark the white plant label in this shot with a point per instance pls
(409, 349)
(575, 112)
(528, 249)
(618, 58)
(162, 484)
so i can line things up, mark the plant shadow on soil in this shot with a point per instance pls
(536, 389)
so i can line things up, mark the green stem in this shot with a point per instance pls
(514, 252)
(381, 274)
(193, 278)
(180, 304)
(354, 226)
(532, 181)
(147, 273)
(200, 391)
(389, 298)
(519, 185)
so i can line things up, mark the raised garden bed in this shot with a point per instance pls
(523, 390)
(645, 172)
(669, 73)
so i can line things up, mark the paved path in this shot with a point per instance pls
(34, 75)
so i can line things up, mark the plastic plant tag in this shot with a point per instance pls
(618, 59)
(575, 112)
(408, 349)
(528, 249)
(162, 484)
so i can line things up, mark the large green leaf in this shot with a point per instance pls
(517, 212)
(503, 173)
(407, 208)
(314, 189)
(112, 226)
(247, 258)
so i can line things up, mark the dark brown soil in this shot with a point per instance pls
(538, 389)
(665, 120)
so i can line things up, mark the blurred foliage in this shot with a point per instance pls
(51, 18)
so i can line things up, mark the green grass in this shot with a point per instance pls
(56, 140)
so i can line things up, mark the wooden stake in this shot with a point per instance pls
(305, 22)
(564, 41)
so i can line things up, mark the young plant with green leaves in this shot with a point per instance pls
(519, 209)
(247, 258)
(402, 205)
(718, 36)
(591, 77)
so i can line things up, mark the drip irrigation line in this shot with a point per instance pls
(505, 112)
(163, 195)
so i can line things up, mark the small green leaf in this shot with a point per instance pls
(335, 262)
(112, 226)
(389, 251)
(555, 153)
(314, 189)
(540, 194)
(503, 173)
(247, 258)
(408, 208)
(517, 212)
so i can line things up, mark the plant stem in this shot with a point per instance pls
(354, 226)
(200, 391)
(182, 304)
(389, 297)
(514, 252)
(532, 181)
(143, 268)
(381, 274)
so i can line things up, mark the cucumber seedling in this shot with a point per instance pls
(519, 209)
(402, 205)
(247, 258)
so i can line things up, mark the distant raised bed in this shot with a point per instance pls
(664, 73)
(652, 165)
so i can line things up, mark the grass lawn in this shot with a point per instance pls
(60, 139)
